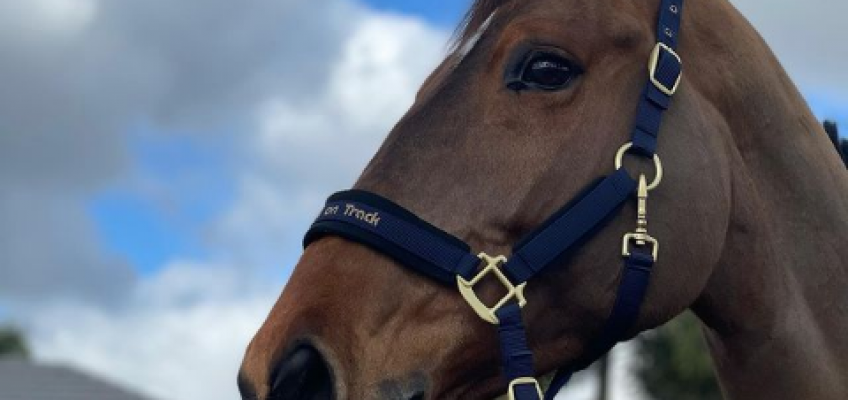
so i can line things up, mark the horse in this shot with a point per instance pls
(752, 214)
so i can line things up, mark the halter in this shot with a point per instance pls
(388, 228)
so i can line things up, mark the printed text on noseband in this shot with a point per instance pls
(351, 211)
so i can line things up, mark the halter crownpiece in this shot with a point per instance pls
(379, 223)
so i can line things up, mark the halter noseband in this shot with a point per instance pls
(388, 228)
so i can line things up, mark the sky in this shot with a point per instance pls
(160, 160)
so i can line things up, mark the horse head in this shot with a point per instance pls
(526, 112)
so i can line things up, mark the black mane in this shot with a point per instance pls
(841, 147)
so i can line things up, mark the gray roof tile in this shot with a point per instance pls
(23, 380)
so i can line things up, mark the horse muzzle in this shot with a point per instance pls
(305, 374)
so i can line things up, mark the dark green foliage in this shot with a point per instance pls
(674, 363)
(12, 344)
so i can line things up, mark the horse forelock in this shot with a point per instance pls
(475, 20)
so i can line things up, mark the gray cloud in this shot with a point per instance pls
(47, 251)
(284, 79)
(79, 74)
(216, 59)
(809, 38)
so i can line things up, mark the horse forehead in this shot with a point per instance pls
(612, 18)
(622, 21)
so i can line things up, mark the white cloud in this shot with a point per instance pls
(180, 334)
(370, 85)
(303, 151)
(182, 337)
(47, 17)
(808, 38)
(387, 59)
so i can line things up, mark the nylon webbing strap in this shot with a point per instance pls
(636, 275)
(654, 101)
(562, 377)
(515, 352)
(635, 279)
(569, 226)
(388, 228)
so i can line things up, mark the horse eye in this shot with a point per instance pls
(549, 72)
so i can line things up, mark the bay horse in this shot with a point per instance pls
(752, 214)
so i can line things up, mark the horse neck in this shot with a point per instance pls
(775, 309)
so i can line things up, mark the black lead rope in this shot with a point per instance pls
(379, 223)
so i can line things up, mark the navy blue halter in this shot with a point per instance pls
(388, 228)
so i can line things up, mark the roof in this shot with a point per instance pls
(23, 380)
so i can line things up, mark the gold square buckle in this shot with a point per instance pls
(654, 62)
(466, 288)
(524, 381)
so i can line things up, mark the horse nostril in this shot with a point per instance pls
(417, 396)
(411, 388)
(303, 375)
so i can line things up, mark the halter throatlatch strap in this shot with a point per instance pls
(631, 292)
(388, 228)
(516, 356)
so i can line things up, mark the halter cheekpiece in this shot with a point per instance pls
(388, 228)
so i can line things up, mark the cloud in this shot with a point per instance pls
(310, 103)
(48, 17)
(808, 38)
(79, 74)
(49, 251)
(184, 338)
(304, 150)
(86, 72)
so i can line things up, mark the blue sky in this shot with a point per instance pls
(150, 229)
(443, 13)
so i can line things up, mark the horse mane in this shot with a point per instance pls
(841, 147)
(474, 19)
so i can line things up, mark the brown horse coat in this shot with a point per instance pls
(752, 215)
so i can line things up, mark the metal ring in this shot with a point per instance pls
(619, 161)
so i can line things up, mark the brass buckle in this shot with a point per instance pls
(466, 288)
(641, 239)
(652, 68)
(524, 381)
